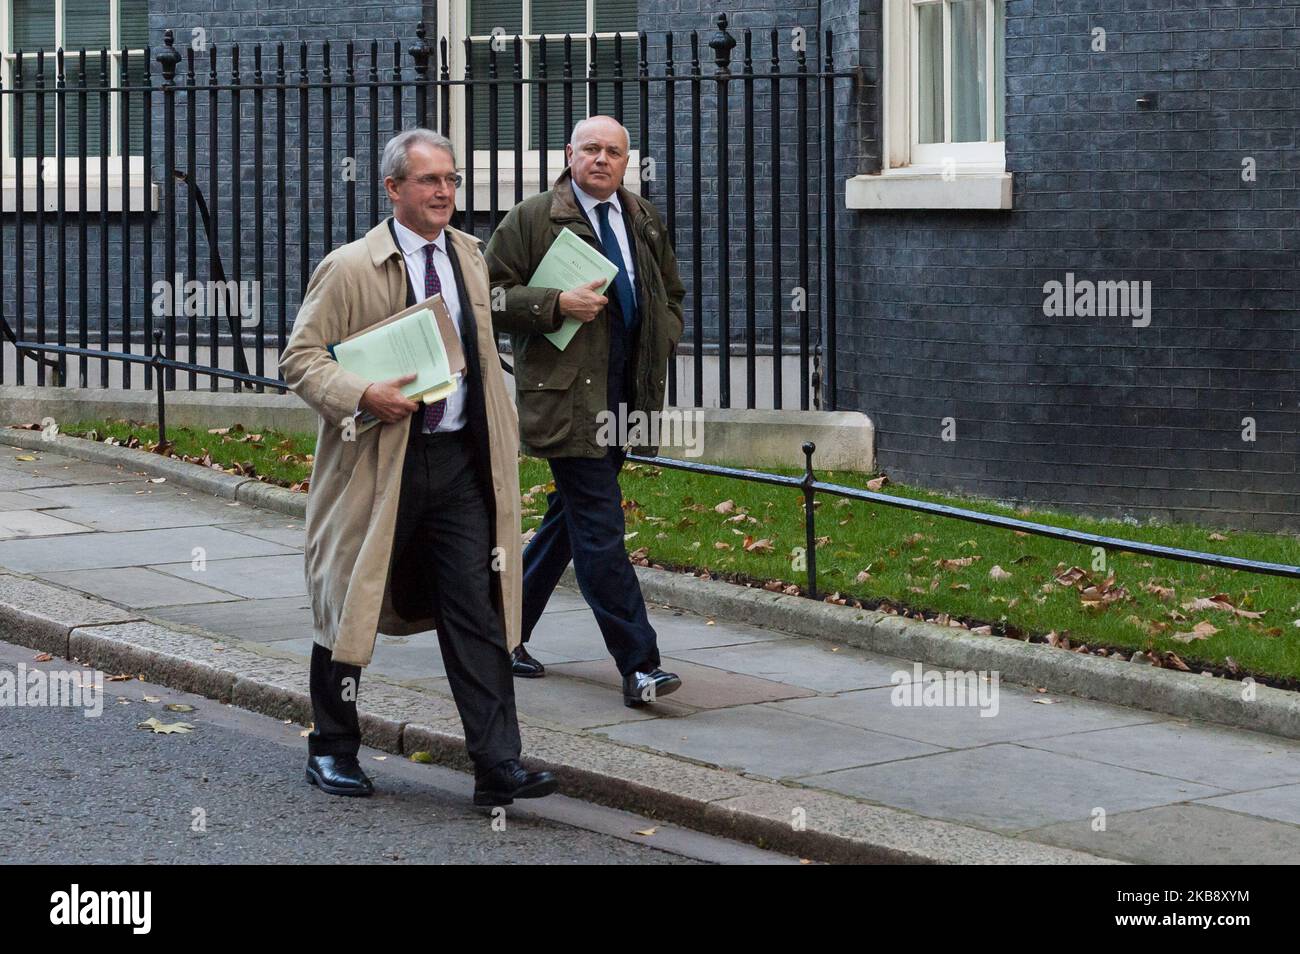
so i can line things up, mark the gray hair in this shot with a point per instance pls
(394, 163)
(573, 137)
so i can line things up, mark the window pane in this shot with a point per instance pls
(556, 133)
(930, 63)
(505, 95)
(487, 15)
(969, 76)
(86, 24)
(29, 107)
(616, 16)
(605, 88)
(133, 24)
(999, 70)
(558, 16)
(136, 105)
(33, 25)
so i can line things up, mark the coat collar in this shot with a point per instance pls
(379, 242)
(565, 207)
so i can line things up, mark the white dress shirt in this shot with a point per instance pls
(412, 245)
(589, 203)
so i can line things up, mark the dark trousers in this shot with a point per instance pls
(584, 523)
(442, 510)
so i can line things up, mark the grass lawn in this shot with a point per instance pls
(1238, 622)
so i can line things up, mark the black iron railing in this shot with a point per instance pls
(808, 483)
(265, 158)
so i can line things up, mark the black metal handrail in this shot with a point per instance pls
(811, 487)
(807, 483)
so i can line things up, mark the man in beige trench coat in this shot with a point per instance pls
(414, 523)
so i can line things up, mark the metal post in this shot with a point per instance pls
(159, 386)
(810, 517)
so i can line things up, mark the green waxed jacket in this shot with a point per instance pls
(561, 393)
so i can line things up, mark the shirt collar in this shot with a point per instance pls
(589, 202)
(411, 242)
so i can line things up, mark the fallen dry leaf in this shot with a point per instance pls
(165, 728)
(1202, 630)
(956, 563)
(1071, 576)
(1165, 593)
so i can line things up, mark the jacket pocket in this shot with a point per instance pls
(546, 405)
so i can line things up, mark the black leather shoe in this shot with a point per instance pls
(338, 775)
(643, 688)
(524, 665)
(504, 783)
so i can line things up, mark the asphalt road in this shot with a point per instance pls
(86, 790)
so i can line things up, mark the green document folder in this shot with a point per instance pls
(568, 263)
(408, 345)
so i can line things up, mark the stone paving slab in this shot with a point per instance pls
(1008, 787)
(137, 586)
(1281, 802)
(128, 489)
(253, 577)
(138, 513)
(702, 687)
(1182, 835)
(1225, 758)
(19, 500)
(802, 662)
(43, 616)
(762, 741)
(56, 470)
(255, 620)
(566, 703)
(290, 533)
(19, 524)
(1020, 714)
(895, 837)
(130, 548)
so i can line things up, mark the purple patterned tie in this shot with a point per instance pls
(432, 286)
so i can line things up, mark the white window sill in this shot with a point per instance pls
(927, 188)
(116, 195)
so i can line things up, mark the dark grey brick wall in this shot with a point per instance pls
(942, 312)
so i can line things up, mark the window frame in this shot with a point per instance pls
(901, 120)
(117, 181)
(453, 15)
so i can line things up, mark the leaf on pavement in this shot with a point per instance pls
(165, 728)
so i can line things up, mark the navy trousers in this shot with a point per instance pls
(584, 523)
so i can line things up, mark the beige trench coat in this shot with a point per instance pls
(355, 484)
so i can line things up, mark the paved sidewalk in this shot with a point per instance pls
(1046, 768)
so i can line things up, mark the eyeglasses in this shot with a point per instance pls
(432, 182)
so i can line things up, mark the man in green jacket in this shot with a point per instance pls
(577, 403)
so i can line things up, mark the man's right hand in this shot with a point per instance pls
(385, 400)
(584, 302)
